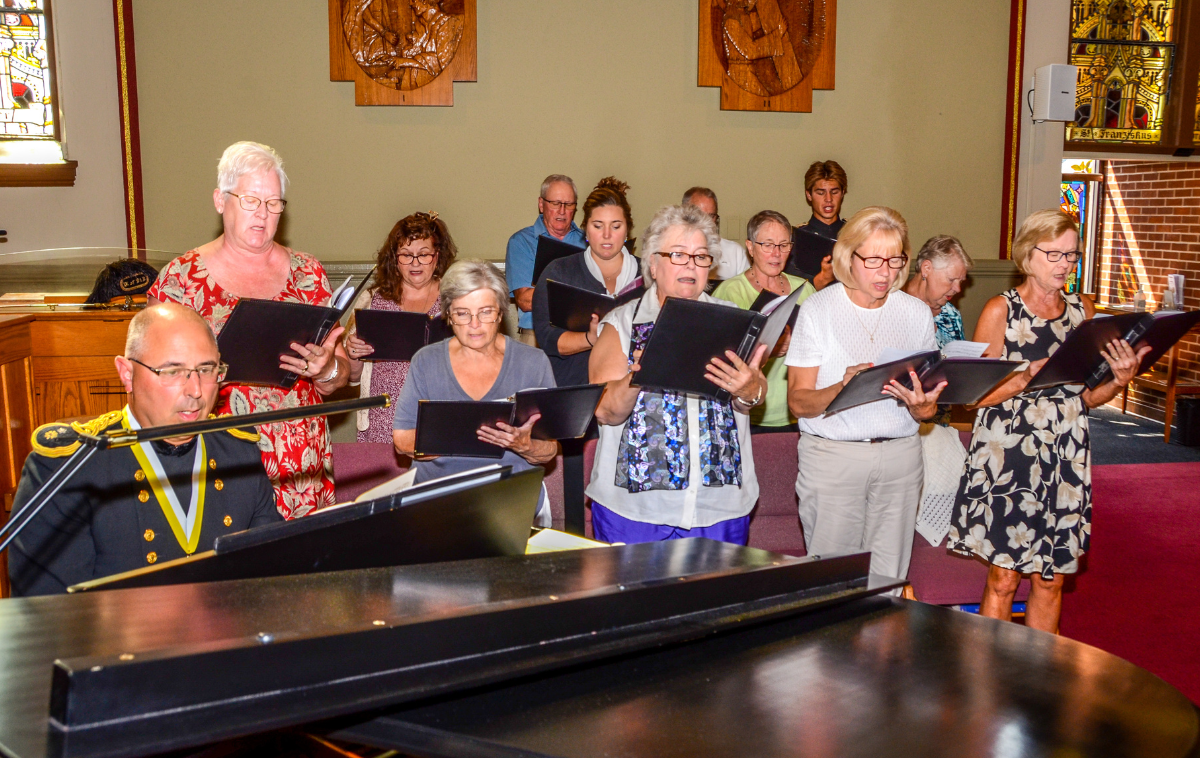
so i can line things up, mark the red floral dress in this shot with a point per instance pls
(296, 455)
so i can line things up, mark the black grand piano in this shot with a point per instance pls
(683, 648)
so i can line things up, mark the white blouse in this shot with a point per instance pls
(689, 508)
(834, 334)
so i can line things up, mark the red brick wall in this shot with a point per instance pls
(1150, 227)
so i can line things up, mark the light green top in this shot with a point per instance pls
(773, 412)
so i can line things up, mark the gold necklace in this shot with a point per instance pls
(878, 319)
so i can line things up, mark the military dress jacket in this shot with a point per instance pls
(108, 519)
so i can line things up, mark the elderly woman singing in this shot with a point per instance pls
(669, 464)
(246, 261)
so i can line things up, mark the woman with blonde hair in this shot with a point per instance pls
(860, 470)
(1024, 503)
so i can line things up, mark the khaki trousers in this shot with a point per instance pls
(528, 336)
(857, 496)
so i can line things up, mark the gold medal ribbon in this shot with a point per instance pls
(185, 527)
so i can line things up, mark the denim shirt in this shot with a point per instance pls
(519, 259)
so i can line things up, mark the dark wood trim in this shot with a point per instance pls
(1012, 125)
(131, 151)
(38, 174)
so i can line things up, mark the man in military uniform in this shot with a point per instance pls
(135, 506)
(812, 242)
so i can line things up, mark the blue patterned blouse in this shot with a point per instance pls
(949, 325)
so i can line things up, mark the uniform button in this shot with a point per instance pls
(143, 496)
(149, 535)
(212, 463)
(139, 475)
(219, 485)
(228, 521)
(151, 557)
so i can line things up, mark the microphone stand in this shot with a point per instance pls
(129, 437)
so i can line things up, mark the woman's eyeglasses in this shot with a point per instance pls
(1054, 256)
(463, 317)
(419, 257)
(771, 247)
(895, 262)
(702, 260)
(177, 376)
(251, 203)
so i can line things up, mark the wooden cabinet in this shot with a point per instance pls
(53, 365)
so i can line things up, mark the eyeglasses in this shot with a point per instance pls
(559, 205)
(419, 258)
(251, 203)
(771, 247)
(1054, 256)
(463, 317)
(895, 262)
(702, 260)
(177, 376)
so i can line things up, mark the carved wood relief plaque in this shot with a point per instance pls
(767, 55)
(402, 52)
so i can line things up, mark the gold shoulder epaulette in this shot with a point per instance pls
(250, 434)
(61, 440)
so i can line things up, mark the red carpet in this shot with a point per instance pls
(1139, 596)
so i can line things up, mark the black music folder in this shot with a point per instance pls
(550, 249)
(690, 333)
(482, 513)
(448, 427)
(968, 379)
(1078, 359)
(398, 335)
(571, 308)
(809, 249)
(259, 331)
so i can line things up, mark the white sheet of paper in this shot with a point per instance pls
(390, 487)
(891, 354)
(964, 349)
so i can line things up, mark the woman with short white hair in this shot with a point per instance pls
(942, 267)
(860, 469)
(478, 363)
(671, 464)
(246, 261)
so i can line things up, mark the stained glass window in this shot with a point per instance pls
(26, 107)
(1074, 199)
(1124, 50)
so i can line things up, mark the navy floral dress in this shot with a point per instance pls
(1025, 499)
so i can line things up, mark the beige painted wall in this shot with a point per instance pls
(92, 212)
(584, 87)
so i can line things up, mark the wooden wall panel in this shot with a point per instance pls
(82, 337)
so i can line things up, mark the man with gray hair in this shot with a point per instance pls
(556, 209)
(131, 507)
(732, 260)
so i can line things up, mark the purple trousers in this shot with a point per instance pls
(609, 527)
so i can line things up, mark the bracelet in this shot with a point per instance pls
(588, 336)
(332, 376)
(755, 402)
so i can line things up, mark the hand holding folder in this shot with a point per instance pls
(572, 308)
(260, 334)
(451, 427)
(689, 334)
(397, 335)
(967, 379)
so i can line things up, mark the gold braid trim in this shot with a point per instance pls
(242, 434)
(59, 440)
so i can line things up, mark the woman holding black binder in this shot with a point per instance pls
(408, 273)
(605, 267)
(1024, 503)
(477, 364)
(670, 464)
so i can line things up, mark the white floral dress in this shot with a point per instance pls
(1025, 499)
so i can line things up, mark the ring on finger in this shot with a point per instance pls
(305, 371)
